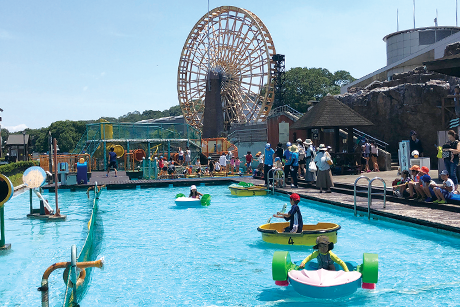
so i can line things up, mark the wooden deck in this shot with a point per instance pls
(444, 218)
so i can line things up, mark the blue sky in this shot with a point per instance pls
(81, 60)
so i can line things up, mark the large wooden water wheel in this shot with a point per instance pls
(234, 43)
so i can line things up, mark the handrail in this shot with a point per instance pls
(355, 185)
(272, 172)
(369, 195)
(363, 134)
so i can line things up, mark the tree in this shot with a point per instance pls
(306, 84)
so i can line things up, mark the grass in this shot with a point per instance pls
(16, 179)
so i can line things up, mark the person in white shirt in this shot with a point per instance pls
(223, 162)
(188, 156)
(445, 190)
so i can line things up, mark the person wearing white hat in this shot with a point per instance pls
(310, 176)
(324, 180)
(194, 193)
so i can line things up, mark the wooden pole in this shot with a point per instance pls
(56, 177)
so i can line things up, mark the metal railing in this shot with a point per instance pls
(285, 109)
(275, 179)
(360, 134)
(369, 194)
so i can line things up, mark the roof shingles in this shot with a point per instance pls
(330, 112)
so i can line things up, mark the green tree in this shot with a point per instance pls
(306, 84)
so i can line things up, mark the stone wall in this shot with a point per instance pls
(410, 101)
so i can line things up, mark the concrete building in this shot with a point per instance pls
(408, 49)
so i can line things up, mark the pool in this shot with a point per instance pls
(159, 254)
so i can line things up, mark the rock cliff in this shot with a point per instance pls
(410, 101)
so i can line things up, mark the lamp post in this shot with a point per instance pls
(24, 139)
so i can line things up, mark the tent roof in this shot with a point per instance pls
(330, 112)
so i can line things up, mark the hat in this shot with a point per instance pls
(322, 147)
(193, 187)
(259, 153)
(288, 144)
(412, 132)
(277, 158)
(299, 140)
(329, 147)
(415, 168)
(445, 172)
(267, 145)
(209, 158)
(426, 178)
(324, 240)
(307, 142)
(425, 169)
(295, 196)
(293, 148)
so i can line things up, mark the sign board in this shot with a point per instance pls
(315, 134)
(404, 155)
(283, 132)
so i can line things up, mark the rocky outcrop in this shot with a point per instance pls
(410, 101)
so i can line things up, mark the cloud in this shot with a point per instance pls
(4, 34)
(17, 128)
(85, 88)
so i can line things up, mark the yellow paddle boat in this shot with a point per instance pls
(247, 189)
(273, 233)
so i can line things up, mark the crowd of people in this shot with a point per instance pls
(299, 160)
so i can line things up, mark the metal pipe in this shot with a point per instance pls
(369, 195)
(73, 263)
(56, 186)
(2, 226)
(44, 288)
(354, 192)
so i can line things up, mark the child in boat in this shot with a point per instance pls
(325, 257)
(443, 191)
(194, 193)
(293, 216)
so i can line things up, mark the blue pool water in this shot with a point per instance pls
(159, 254)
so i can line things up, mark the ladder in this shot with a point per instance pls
(271, 177)
(369, 194)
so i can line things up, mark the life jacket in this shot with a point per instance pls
(324, 261)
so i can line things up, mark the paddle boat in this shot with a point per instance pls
(182, 200)
(273, 233)
(247, 189)
(324, 283)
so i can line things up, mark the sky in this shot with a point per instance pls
(81, 60)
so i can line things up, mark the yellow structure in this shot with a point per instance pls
(273, 233)
(106, 130)
(240, 190)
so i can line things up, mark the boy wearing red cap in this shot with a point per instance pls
(293, 216)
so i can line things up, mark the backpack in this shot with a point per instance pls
(301, 152)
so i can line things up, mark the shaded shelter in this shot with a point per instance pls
(330, 113)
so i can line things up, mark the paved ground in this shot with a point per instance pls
(441, 217)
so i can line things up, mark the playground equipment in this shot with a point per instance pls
(73, 266)
(245, 67)
(6, 192)
(82, 172)
(34, 177)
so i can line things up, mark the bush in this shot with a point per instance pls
(16, 167)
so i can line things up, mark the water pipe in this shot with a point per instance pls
(56, 183)
(60, 265)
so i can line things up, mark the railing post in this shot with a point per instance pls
(73, 265)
